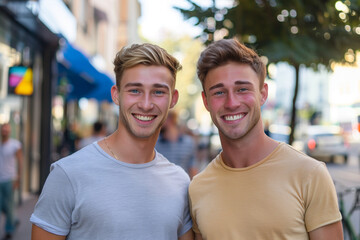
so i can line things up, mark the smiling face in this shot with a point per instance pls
(146, 93)
(233, 97)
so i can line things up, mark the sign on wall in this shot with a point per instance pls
(20, 80)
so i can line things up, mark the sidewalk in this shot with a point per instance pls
(23, 213)
(348, 174)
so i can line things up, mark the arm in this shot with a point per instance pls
(19, 157)
(189, 235)
(332, 231)
(40, 234)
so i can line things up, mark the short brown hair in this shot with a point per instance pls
(146, 54)
(223, 51)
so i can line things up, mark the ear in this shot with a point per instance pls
(174, 98)
(205, 100)
(264, 93)
(115, 94)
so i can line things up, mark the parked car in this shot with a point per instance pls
(279, 132)
(325, 143)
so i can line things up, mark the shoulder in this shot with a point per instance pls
(296, 162)
(163, 164)
(292, 154)
(211, 171)
(15, 143)
(83, 157)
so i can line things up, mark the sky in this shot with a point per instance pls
(158, 17)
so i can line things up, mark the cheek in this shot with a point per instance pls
(215, 104)
(127, 101)
(163, 102)
(250, 99)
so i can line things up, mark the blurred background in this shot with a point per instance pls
(56, 70)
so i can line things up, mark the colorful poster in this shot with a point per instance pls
(20, 80)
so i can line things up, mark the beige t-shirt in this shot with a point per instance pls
(284, 196)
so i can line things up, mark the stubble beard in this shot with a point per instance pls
(138, 133)
(243, 133)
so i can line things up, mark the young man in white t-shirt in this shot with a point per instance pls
(120, 187)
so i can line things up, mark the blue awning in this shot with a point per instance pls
(84, 80)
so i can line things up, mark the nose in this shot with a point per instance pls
(146, 102)
(231, 102)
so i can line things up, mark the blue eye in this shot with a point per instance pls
(218, 93)
(242, 89)
(134, 91)
(159, 92)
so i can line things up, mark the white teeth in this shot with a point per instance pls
(234, 117)
(144, 118)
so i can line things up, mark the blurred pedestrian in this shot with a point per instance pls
(256, 188)
(98, 133)
(120, 187)
(69, 141)
(11, 159)
(178, 147)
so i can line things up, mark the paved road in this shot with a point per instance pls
(348, 176)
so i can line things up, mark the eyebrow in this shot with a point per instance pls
(238, 82)
(159, 85)
(219, 85)
(156, 85)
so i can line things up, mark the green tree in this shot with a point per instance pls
(299, 32)
(186, 50)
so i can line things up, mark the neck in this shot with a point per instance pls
(128, 148)
(4, 139)
(248, 150)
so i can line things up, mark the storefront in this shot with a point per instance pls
(28, 47)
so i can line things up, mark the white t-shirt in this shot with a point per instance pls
(8, 163)
(90, 195)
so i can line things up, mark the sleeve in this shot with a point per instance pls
(321, 205)
(187, 222)
(53, 210)
(17, 145)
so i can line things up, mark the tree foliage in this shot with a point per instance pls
(300, 32)
(186, 50)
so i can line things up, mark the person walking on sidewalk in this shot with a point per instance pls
(256, 188)
(98, 133)
(11, 159)
(177, 146)
(120, 187)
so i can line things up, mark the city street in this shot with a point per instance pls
(348, 176)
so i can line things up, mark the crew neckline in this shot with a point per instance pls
(129, 165)
(226, 167)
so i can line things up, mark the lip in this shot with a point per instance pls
(233, 118)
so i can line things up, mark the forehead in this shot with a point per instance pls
(230, 74)
(147, 75)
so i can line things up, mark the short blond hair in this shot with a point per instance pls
(146, 54)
